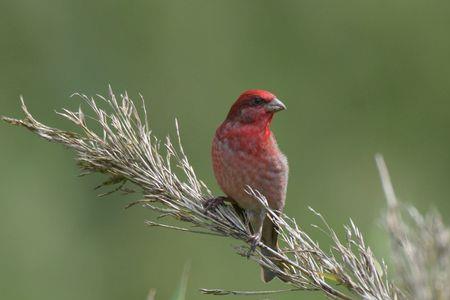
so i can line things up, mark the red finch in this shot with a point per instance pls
(245, 153)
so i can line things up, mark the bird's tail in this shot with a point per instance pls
(266, 274)
(270, 239)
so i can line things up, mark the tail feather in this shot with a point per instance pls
(269, 238)
(266, 274)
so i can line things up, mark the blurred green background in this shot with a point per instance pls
(358, 77)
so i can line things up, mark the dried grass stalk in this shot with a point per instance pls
(420, 246)
(126, 150)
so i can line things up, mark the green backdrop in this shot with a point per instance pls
(358, 77)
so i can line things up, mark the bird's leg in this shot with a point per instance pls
(256, 219)
(213, 203)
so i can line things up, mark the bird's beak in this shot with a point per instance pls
(275, 105)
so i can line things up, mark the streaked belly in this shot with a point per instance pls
(235, 170)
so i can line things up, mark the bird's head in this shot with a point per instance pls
(255, 106)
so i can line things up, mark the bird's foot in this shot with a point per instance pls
(253, 241)
(213, 203)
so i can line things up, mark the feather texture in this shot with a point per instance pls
(245, 153)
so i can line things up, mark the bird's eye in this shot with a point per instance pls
(257, 101)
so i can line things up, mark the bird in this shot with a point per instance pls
(245, 154)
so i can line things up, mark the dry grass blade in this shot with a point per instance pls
(221, 292)
(126, 150)
(420, 246)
